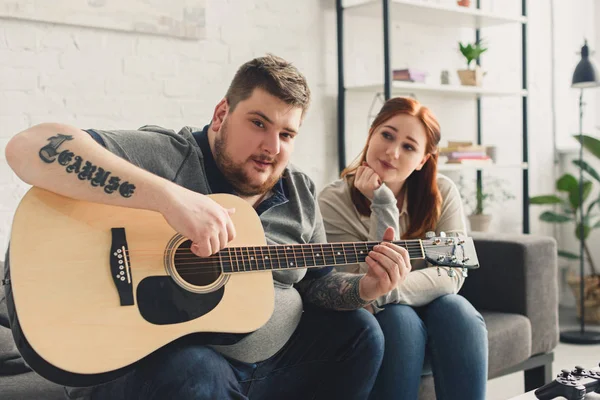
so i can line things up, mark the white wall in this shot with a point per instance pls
(435, 48)
(104, 79)
(98, 78)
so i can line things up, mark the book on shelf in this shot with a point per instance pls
(409, 75)
(470, 161)
(464, 147)
(461, 152)
(466, 154)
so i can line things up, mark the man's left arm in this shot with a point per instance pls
(328, 288)
(333, 290)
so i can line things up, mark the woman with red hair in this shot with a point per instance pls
(428, 327)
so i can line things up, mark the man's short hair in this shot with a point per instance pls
(274, 75)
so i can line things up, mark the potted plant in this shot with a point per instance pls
(478, 201)
(471, 51)
(568, 211)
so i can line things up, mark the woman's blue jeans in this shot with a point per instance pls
(449, 334)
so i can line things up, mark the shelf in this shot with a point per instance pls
(429, 13)
(452, 90)
(461, 167)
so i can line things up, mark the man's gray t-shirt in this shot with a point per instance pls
(178, 158)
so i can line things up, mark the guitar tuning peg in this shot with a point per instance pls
(429, 235)
(451, 272)
(439, 272)
(465, 272)
(442, 234)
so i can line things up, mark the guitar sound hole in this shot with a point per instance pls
(195, 270)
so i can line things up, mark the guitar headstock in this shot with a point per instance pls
(450, 251)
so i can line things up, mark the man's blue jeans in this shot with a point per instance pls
(449, 334)
(331, 355)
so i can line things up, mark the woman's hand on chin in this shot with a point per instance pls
(366, 180)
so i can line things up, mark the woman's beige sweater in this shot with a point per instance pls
(343, 223)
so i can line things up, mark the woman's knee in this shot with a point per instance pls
(454, 310)
(401, 319)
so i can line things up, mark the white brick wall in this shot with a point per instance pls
(105, 79)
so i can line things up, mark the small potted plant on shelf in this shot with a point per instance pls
(479, 200)
(471, 51)
(568, 212)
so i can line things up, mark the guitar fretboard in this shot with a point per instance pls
(262, 258)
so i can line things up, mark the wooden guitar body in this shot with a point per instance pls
(65, 291)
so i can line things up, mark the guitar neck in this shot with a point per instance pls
(285, 257)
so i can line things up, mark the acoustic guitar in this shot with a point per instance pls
(96, 288)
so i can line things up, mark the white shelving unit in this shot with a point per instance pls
(446, 90)
(434, 13)
(431, 13)
(466, 167)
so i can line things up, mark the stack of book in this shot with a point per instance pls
(409, 75)
(466, 153)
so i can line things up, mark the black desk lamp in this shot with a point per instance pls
(585, 76)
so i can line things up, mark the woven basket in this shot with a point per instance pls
(591, 301)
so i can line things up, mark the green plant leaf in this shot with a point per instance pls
(472, 51)
(574, 194)
(566, 182)
(546, 199)
(549, 216)
(568, 254)
(596, 225)
(590, 207)
(587, 168)
(590, 143)
(586, 231)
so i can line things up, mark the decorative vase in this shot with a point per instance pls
(464, 3)
(480, 222)
(591, 300)
(445, 78)
(471, 77)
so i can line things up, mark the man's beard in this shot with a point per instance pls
(235, 174)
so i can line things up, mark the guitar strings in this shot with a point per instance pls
(245, 256)
(215, 268)
(252, 255)
(278, 248)
(189, 268)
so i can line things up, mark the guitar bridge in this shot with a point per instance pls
(120, 266)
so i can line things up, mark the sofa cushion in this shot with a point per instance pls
(11, 362)
(509, 340)
(3, 310)
(29, 386)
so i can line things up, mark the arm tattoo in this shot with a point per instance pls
(336, 290)
(84, 171)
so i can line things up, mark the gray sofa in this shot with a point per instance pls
(515, 290)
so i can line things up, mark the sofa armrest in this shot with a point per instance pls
(518, 274)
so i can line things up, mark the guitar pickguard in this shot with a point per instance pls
(161, 301)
